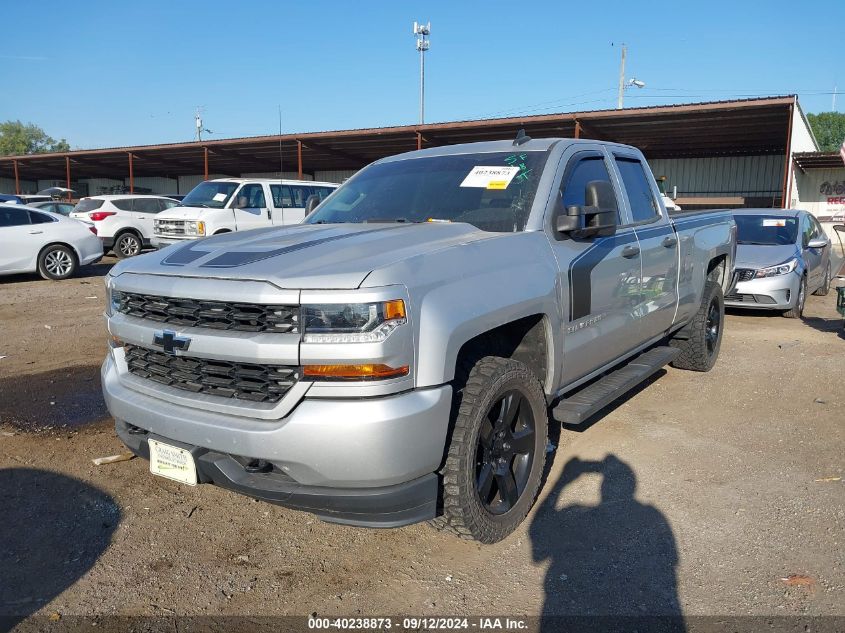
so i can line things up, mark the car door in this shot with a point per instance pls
(599, 277)
(281, 196)
(812, 256)
(250, 209)
(658, 246)
(20, 240)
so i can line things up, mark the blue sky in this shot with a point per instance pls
(106, 74)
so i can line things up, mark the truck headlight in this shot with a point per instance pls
(781, 269)
(352, 322)
(112, 297)
(195, 228)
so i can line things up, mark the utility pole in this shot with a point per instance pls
(421, 32)
(621, 94)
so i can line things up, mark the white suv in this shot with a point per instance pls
(237, 204)
(124, 223)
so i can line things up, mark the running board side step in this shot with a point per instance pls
(576, 408)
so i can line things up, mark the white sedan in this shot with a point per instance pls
(32, 240)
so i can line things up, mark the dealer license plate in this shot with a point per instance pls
(172, 462)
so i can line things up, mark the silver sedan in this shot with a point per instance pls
(781, 255)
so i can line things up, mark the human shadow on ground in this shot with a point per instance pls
(612, 565)
(53, 530)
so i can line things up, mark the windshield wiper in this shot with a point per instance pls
(390, 221)
(194, 204)
(755, 243)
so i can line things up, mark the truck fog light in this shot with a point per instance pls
(354, 372)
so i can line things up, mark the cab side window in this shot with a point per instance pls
(251, 197)
(585, 170)
(643, 204)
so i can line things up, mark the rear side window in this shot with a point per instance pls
(323, 192)
(13, 217)
(643, 205)
(146, 205)
(300, 195)
(124, 204)
(39, 218)
(87, 204)
(585, 170)
(282, 196)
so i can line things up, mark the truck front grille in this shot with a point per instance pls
(745, 274)
(175, 228)
(218, 315)
(243, 381)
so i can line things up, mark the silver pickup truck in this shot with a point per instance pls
(398, 357)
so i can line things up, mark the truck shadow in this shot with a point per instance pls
(54, 529)
(70, 396)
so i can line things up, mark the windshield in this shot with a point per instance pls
(491, 191)
(766, 230)
(87, 204)
(209, 194)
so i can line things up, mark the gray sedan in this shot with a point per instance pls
(781, 255)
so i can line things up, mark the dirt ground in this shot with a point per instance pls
(700, 494)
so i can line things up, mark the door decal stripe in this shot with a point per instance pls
(581, 271)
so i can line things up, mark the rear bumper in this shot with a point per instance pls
(771, 293)
(381, 507)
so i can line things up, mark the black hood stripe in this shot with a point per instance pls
(233, 259)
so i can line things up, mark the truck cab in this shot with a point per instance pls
(224, 205)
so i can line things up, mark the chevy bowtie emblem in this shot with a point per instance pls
(170, 342)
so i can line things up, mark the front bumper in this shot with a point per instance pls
(159, 242)
(770, 293)
(367, 451)
(381, 507)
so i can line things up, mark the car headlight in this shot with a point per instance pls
(196, 228)
(352, 322)
(781, 269)
(112, 297)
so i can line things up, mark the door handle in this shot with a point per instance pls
(629, 252)
(670, 241)
(36, 232)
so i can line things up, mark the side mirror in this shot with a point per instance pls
(311, 203)
(598, 217)
(819, 242)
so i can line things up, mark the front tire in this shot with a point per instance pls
(700, 348)
(497, 451)
(824, 289)
(57, 262)
(797, 310)
(127, 245)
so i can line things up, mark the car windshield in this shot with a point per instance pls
(210, 194)
(492, 191)
(87, 204)
(766, 230)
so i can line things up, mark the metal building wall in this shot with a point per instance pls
(746, 176)
(335, 175)
(7, 185)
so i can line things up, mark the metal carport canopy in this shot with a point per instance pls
(717, 128)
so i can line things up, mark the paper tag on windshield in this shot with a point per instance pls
(773, 222)
(485, 177)
(219, 197)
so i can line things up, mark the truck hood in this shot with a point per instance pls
(304, 256)
(185, 213)
(756, 256)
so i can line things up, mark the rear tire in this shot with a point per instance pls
(700, 349)
(798, 309)
(824, 289)
(127, 244)
(497, 451)
(57, 262)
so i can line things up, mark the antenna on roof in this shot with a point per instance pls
(281, 171)
(521, 137)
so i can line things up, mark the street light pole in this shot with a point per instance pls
(621, 94)
(421, 32)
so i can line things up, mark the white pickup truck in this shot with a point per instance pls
(224, 205)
